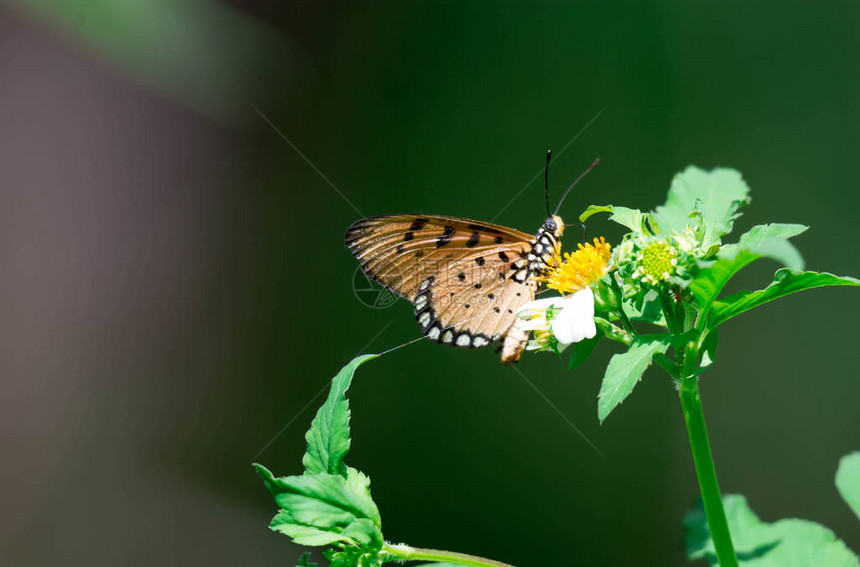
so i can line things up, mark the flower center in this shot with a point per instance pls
(657, 261)
(579, 269)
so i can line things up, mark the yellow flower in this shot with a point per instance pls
(579, 269)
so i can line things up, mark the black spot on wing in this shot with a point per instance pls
(474, 239)
(446, 237)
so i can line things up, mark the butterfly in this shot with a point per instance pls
(466, 279)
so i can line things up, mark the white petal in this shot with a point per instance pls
(576, 320)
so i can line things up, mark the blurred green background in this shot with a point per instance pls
(175, 289)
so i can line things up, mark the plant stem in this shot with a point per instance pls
(616, 290)
(669, 313)
(406, 553)
(691, 403)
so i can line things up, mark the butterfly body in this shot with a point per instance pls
(466, 279)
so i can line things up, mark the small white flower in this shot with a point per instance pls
(576, 320)
(567, 320)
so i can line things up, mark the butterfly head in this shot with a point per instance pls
(553, 225)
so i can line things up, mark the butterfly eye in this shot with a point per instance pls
(549, 224)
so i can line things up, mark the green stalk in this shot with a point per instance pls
(625, 321)
(691, 403)
(670, 312)
(406, 553)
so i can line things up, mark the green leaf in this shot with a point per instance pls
(322, 509)
(717, 194)
(784, 283)
(626, 369)
(760, 241)
(785, 543)
(770, 241)
(633, 219)
(709, 347)
(328, 437)
(594, 209)
(649, 311)
(848, 480)
(581, 351)
(305, 560)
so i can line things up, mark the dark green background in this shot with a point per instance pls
(180, 289)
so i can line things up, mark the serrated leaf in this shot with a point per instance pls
(759, 242)
(357, 481)
(322, 509)
(626, 369)
(784, 283)
(328, 438)
(785, 543)
(716, 194)
(581, 351)
(848, 480)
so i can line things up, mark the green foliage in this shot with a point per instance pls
(709, 348)
(626, 369)
(321, 509)
(330, 504)
(328, 437)
(785, 282)
(848, 480)
(716, 194)
(763, 241)
(669, 271)
(647, 309)
(785, 543)
(634, 219)
(305, 561)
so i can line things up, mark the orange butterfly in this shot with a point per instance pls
(466, 279)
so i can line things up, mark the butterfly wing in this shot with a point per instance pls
(466, 279)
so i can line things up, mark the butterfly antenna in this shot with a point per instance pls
(546, 181)
(590, 167)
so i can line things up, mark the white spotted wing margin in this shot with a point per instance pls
(466, 279)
